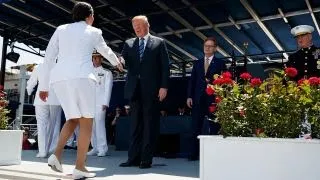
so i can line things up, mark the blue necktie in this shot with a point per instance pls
(141, 48)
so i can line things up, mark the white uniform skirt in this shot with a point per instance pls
(77, 97)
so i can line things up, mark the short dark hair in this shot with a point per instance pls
(81, 11)
(211, 39)
(26, 131)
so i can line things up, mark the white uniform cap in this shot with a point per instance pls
(302, 29)
(95, 53)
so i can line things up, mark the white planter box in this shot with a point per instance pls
(10, 147)
(237, 158)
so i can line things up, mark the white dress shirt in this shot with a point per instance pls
(146, 37)
(210, 59)
(72, 45)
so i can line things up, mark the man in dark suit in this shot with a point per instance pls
(147, 60)
(202, 73)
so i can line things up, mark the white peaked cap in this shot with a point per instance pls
(301, 29)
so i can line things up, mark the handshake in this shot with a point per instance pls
(120, 66)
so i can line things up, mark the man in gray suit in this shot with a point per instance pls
(147, 60)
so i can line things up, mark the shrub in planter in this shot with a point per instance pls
(3, 110)
(275, 107)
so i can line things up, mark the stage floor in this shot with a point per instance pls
(33, 168)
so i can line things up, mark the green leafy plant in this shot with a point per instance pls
(3, 109)
(275, 107)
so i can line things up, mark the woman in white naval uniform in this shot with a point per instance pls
(103, 94)
(73, 81)
(48, 115)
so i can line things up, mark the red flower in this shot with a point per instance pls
(3, 104)
(303, 81)
(314, 81)
(222, 81)
(1, 87)
(242, 113)
(245, 76)
(210, 90)
(255, 82)
(259, 131)
(227, 74)
(291, 72)
(218, 99)
(212, 108)
(217, 81)
(227, 81)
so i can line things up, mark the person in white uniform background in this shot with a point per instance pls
(72, 141)
(103, 94)
(48, 116)
(73, 81)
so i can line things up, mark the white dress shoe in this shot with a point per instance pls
(77, 174)
(93, 152)
(101, 154)
(54, 163)
(39, 155)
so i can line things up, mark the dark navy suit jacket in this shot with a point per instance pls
(152, 71)
(198, 83)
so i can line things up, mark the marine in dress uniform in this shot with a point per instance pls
(48, 115)
(103, 94)
(307, 59)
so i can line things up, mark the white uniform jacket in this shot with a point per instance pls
(103, 86)
(31, 84)
(73, 44)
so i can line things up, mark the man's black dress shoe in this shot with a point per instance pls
(129, 164)
(145, 165)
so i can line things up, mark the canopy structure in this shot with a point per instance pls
(257, 29)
